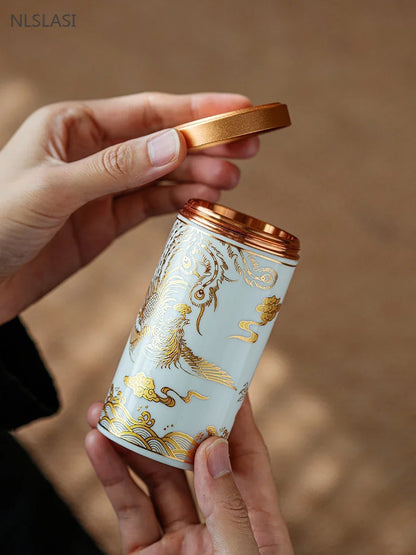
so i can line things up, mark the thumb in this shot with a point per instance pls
(220, 501)
(124, 166)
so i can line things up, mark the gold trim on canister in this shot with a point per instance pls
(242, 228)
(234, 126)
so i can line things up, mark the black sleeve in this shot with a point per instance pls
(33, 518)
(26, 387)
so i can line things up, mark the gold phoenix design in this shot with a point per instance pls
(192, 266)
(144, 386)
(161, 321)
(268, 310)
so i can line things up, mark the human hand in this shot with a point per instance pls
(239, 506)
(75, 176)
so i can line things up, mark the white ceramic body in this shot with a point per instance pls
(195, 344)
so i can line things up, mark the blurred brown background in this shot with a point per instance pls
(333, 394)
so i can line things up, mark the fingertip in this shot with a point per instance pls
(90, 442)
(241, 149)
(204, 192)
(250, 146)
(93, 414)
(228, 175)
(210, 104)
(98, 447)
(220, 174)
(235, 101)
(236, 98)
(103, 456)
(166, 149)
(202, 447)
(218, 458)
(211, 195)
(212, 458)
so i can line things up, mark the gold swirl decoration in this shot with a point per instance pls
(249, 265)
(144, 386)
(117, 420)
(268, 310)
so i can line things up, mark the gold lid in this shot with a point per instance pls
(234, 126)
(242, 228)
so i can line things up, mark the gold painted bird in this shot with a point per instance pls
(160, 326)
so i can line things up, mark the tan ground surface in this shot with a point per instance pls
(334, 393)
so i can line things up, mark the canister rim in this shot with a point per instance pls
(242, 228)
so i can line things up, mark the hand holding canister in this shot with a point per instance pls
(234, 490)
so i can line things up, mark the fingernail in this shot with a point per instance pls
(163, 148)
(218, 458)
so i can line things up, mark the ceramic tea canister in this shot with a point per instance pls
(206, 318)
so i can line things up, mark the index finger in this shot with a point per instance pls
(127, 117)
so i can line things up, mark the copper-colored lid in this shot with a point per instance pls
(233, 126)
(242, 228)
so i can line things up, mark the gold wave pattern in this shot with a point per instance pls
(116, 419)
(268, 310)
(144, 386)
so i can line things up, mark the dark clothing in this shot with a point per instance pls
(33, 518)
(25, 383)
